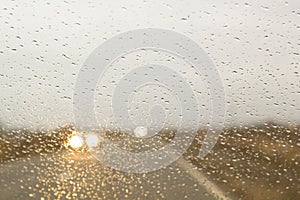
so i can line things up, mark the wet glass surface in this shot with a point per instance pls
(48, 153)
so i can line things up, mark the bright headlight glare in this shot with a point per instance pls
(76, 142)
(92, 140)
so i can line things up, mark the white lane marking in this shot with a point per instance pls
(201, 179)
(209, 186)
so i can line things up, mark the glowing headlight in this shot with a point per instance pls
(140, 131)
(92, 140)
(76, 142)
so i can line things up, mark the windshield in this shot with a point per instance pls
(149, 99)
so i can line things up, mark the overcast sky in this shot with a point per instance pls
(255, 45)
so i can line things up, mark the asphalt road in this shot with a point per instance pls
(67, 175)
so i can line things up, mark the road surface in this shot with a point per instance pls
(69, 175)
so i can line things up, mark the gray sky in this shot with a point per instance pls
(255, 45)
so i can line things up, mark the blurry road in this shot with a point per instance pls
(67, 175)
(258, 162)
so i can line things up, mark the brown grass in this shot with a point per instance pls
(258, 162)
(18, 143)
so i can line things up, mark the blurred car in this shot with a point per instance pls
(82, 141)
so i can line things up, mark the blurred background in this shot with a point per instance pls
(255, 46)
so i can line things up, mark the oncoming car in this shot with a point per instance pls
(79, 141)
